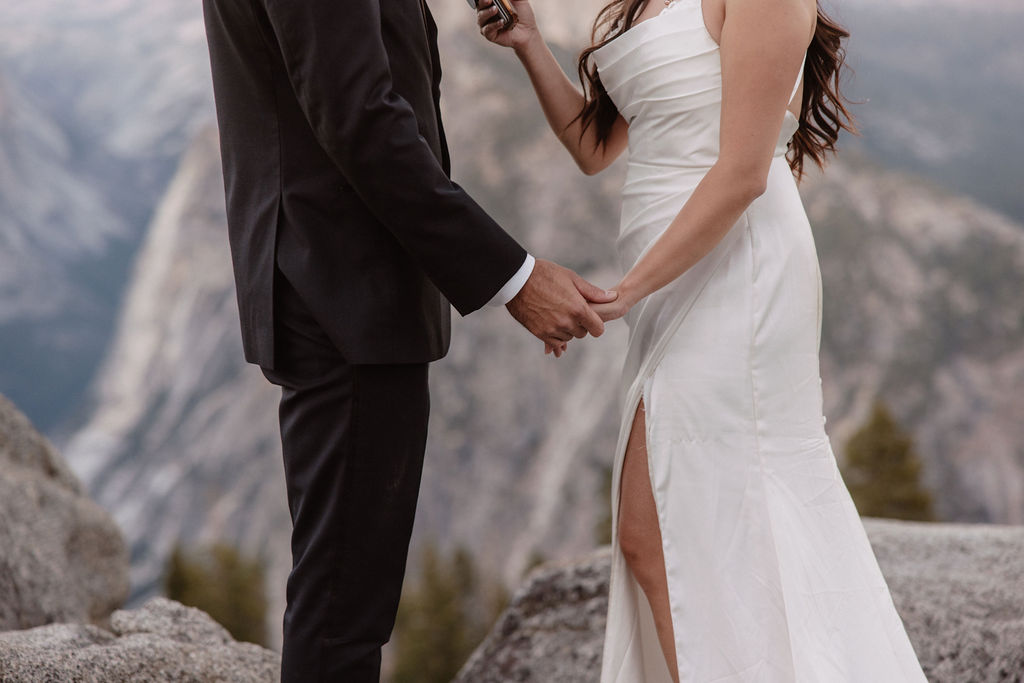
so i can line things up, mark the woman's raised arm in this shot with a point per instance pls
(560, 99)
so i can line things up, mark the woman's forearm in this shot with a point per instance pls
(561, 102)
(713, 208)
(559, 98)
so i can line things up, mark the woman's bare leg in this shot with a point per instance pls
(640, 536)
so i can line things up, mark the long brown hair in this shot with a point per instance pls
(822, 112)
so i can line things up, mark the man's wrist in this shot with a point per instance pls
(515, 283)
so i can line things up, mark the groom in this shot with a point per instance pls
(348, 241)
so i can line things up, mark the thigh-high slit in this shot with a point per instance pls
(639, 532)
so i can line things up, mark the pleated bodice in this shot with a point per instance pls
(665, 76)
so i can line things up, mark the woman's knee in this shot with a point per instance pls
(641, 548)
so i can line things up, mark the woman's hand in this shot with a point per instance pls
(612, 311)
(618, 308)
(490, 26)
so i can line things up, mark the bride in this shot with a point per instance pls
(738, 554)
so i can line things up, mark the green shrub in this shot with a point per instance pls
(223, 583)
(443, 616)
(882, 470)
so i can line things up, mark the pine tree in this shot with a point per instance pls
(882, 470)
(443, 617)
(223, 583)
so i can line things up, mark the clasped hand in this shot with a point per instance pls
(612, 310)
(557, 305)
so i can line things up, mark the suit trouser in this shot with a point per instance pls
(353, 438)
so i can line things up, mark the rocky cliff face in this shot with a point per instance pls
(129, 79)
(923, 309)
(53, 222)
(940, 108)
(40, 195)
(956, 587)
(97, 101)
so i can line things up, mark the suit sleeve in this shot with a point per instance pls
(338, 68)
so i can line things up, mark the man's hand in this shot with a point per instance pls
(608, 312)
(553, 305)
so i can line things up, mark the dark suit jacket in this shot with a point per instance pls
(336, 168)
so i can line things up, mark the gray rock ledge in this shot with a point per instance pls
(958, 587)
(162, 642)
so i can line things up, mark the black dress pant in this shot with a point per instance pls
(353, 438)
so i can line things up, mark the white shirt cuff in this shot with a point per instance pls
(515, 283)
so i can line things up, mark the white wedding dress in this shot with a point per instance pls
(771, 576)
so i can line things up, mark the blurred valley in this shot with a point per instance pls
(119, 328)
